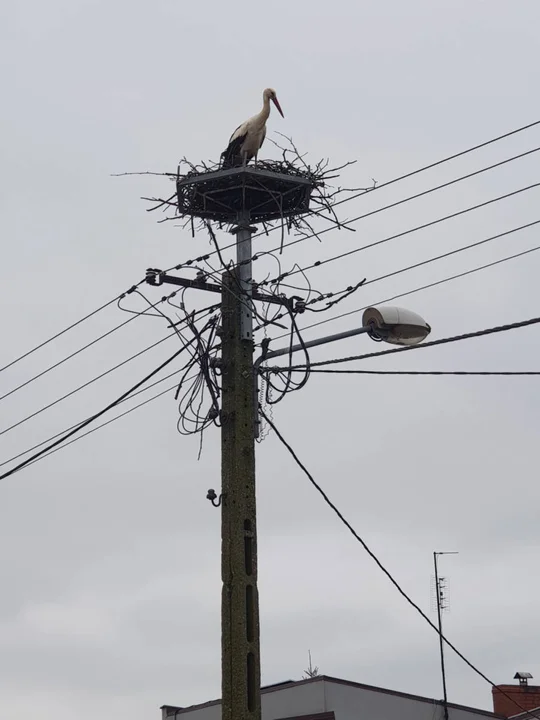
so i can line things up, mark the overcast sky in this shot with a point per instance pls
(110, 553)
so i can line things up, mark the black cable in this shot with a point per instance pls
(65, 430)
(101, 337)
(191, 420)
(319, 263)
(419, 289)
(84, 385)
(89, 420)
(409, 198)
(66, 329)
(85, 347)
(408, 348)
(98, 377)
(290, 384)
(446, 159)
(428, 261)
(117, 417)
(56, 435)
(379, 563)
(61, 362)
(424, 372)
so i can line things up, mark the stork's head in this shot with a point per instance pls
(270, 94)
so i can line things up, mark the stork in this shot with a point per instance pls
(247, 139)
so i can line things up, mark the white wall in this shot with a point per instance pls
(351, 703)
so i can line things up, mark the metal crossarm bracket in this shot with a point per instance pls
(157, 277)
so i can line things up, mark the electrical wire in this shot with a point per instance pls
(379, 564)
(84, 347)
(427, 372)
(89, 420)
(65, 430)
(108, 422)
(445, 255)
(320, 263)
(289, 383)
(101, 375)
(69, 357)
(66, 329)
(397, 203)
(419, 289)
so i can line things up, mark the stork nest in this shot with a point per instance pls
(262, 193)
(286, 193)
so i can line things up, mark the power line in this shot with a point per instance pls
(319, 263)
(89, 420)
(427, 372)
(65, 430)
(84, 385)
(108, 422)
(66, 329)
(403, 200)
(102, 375)
(419, 289)
(85, 347)
(72, 355)
(408, 348)
(379, 564)
(450, 157)
(437, 257)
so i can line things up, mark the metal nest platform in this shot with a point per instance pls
(269, 191)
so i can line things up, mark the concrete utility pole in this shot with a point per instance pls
(241, 665)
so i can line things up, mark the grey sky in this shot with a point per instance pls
(110, 551)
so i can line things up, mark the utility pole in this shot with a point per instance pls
(438, 592)
(241, 667)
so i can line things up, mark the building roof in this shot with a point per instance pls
(326, 678)
(526, 714)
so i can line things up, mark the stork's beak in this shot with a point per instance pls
(276, 103)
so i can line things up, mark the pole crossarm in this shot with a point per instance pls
(157, 277)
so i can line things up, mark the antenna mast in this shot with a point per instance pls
(442, 604)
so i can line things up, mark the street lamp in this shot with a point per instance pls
(386, 323)
(395, 325)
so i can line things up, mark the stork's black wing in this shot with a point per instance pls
(231, 156)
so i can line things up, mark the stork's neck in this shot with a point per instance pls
(265, 112)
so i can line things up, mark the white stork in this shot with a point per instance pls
(247, 139)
